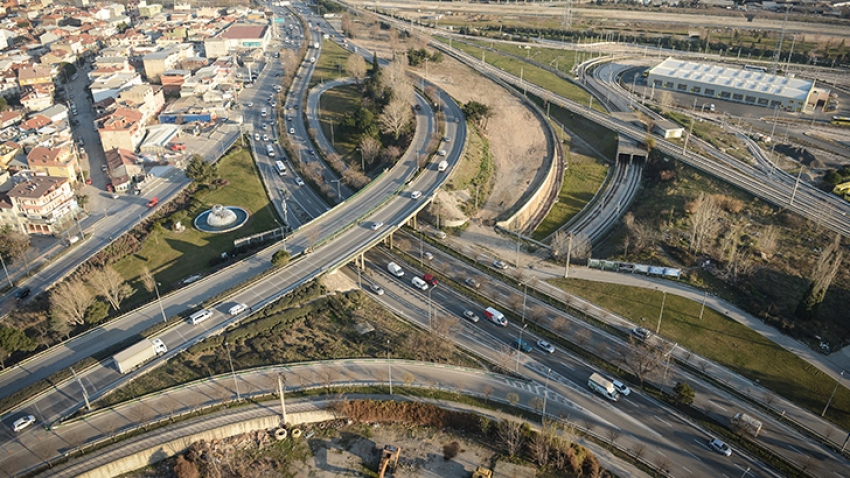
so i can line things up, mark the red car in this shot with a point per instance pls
(178, 146)
(88, 180)
(153, 202)
(110, 187)
(430, 280)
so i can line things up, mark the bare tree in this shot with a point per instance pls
(510, 432)
(488, 392)
(705, 212)
(642, 359)
(355, 66)
(394, 73)
(512, 398)
(641, 235)
(542, 446)
(395, 117)
(559, 244)
(824, 272)
(582, 248)
(69, 301)
(768, 241)
(613, 434)
(536, 403)
(109, 284)
(147, 279)
(369, 148)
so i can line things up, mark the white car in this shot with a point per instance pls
(470, 316)
(622, 388)
(250, 104)
(546, 346)
(159, 346)
(23, 422)
(376, 225)
(416, 195)
(720, 447)
(265, 137)
(299, 181)
(256, 136)
(500, 265)
(378, 290)
(238, 309)
(291, 130)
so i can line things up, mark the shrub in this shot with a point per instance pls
(280, 258)
(450, 450)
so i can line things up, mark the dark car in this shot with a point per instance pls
(522, 345)
(23, 293)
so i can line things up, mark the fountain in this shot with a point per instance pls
(221, 219)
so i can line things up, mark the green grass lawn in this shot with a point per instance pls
(562, 60)
(331, 63)
(333, 106)
(582, 179)
(721, 340)
(531, 74)
(172, 256)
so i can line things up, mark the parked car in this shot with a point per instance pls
(256, 136)
(265, 137)
(641, 333)
(522, 345)
(178, 146)
(546, 346)
(291, 130)
(470, 316)
(110, 187)
(720, 447)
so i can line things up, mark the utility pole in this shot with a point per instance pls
(704, 297)
(85, 393)
(796, 184)
(660, 314)
(569, 256)
(11, 285)
(389, 367)
(545, 396)
(281, 387)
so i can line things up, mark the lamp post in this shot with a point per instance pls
(429, 310)
(11, 285)
(660, 314)
(159, 300)
(524, 299)
(518, 345)
(828, 402)
(233, 372)
(281, 387)
(545, 396)
(704, 297)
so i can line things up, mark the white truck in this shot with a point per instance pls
(130, 358)
(442, 166)
(746, 423)
(395, 269)
(603, 386)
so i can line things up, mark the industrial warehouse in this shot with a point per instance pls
(750, 86)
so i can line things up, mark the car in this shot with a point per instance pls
(622, 388)
(273, 103)
(546, 346)
(277, 75)
(159, 346)
(76, 122)
(110, 187)
(500, 265)
(522, 345)
(289, 118)
(415, 194)
(238, 309)
(299, 181)
(471, 282)
(641, 333)
(265, 126)
(378, 290)
(442, 152)
(153, 202)
(311, 152)
(429, 256)
(23, 293)
(72, 96)
(256, 136)
(88, 181)
(291, 130)
(430, 280)
(178, 146)
(250, 104)
(470, 316)
(447, 139)
(720, 447)
(22, 423)
(376, 225)
(265, 137)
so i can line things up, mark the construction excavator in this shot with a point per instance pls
(389, 460)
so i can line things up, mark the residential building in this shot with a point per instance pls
(238, 37)
(161, 61)
(110, 86)
(56, 162)
(123, 128)
(122, 165)
(41, 205)
(147, 99)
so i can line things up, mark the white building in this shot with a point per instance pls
(743, 86)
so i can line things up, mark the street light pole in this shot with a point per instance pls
(233, 372)
(828, 402)
(159, 299)
(430, 329)
(11, 285)
(519, 343)
(389, 367)
(281, 388)
(545, 396)
(660, 314)
(704, 297)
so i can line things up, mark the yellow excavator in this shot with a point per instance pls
(482, 472)
(389, 460)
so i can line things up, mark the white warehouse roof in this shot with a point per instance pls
(724, 77)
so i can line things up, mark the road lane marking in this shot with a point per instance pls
(664, 422)
(718, 406)
(689, 453)
(792, 447)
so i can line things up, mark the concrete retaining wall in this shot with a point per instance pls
(162, 451)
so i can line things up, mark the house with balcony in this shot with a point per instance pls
(122, 166)
(123, 128)
(58, 162)
(35, 76)
(41, 205)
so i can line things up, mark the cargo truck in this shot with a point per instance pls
(746, 423)
(132, 357)
(603, 386)
(495, 316)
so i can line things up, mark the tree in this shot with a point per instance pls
(705, 212)
(369, 149)
(280, 258)
(82, 200)
(824, 272)
(14, 340)
(394, 73)
(396, 117)
(184, 468)
(510, 432)
(683, 394)
(641, 359)
(69, 301)
(768, 241)
(201, 171)
(110, 285)
(478, 113)
(641, 235)
(13, 244)
(147, 279)
(356, 67)
(559, 244)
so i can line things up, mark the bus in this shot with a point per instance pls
(841, 120)
(755, 68)
(281, 168)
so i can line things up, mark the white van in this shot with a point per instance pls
(419, 283)
(395, 269)
(200, 316)
(238, 309)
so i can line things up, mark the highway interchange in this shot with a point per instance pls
(342, 233)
